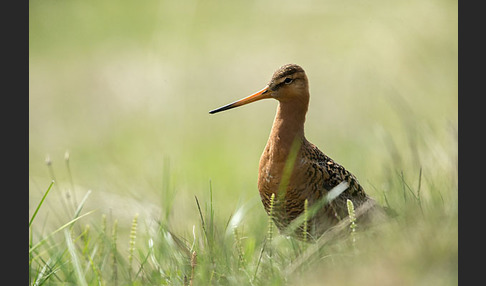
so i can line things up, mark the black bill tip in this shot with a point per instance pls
(222, 108)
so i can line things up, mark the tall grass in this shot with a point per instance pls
(232, 251)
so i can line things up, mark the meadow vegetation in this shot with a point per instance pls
(132, 182)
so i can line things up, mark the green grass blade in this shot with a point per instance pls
(58, 230)
(75, 259)
(81, 204)
(40, 203)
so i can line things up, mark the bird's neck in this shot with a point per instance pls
(287, 126)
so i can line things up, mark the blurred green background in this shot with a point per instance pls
(125, 87)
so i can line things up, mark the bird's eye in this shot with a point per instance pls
(288, 80)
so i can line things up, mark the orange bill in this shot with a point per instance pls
(264, 93)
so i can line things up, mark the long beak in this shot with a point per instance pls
(264, 93)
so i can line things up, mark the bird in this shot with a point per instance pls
(294, 176)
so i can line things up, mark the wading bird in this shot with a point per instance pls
(294, 175)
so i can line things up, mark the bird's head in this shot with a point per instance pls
(289, 83)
